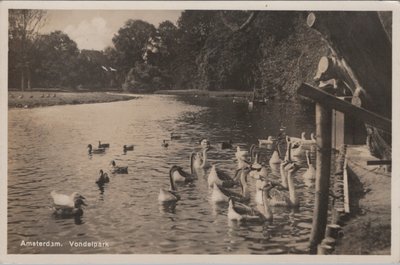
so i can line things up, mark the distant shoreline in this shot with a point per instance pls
(35, 99)
(198, 92)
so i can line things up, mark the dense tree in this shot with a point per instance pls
(131, 43)
(57, 62)
(23, 35)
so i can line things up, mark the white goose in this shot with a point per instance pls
(241, 212)
(67, 205)
(310, 172)
(171, 195)
(275, 158)
(296, 147)
(220, 194)
(220, 178)
(179, 175)
(67, 201)
(198, 159)
(284, 198)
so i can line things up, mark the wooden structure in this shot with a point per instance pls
(359, 66)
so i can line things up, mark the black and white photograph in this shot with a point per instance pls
(210, 129)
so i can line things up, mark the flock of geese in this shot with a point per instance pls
(269, 193)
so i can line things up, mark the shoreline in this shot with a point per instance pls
(35, 99)
(198, 92)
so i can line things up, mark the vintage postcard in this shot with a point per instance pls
(199, 132)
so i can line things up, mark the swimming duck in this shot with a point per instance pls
(117, 169)
(171, 195)
(220, 194)
(103, 145)
(103, 178)
(310, 172)
(67, 205)
(165, 143)
(270, 140)
(95, 151)
(175, 136)
(227, 145)
(220, 178)
(179, 176)
(128, 148)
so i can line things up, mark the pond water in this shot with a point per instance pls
(47, 151)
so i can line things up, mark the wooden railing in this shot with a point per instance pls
(332, 102)
(325, 103)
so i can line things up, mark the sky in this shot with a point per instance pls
(94, 29)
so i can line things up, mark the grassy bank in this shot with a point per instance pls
(197, 92)
(18, 99)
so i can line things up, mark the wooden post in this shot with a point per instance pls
(323, 169)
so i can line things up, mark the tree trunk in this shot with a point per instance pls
(28, 76)
(22, 79)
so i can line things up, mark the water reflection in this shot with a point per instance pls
(125, 212)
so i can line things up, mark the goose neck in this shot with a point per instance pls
(284, 180)
(243, 184)
(267, 210)
(292, 190)
(171, 181)
(204, 158)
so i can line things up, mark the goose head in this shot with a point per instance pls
(205, 143)
(75, 195)
(268, 185)
(89, 147)
(313, 136)
(292, 167)
(303, 135)
(255, 170)
(79, 203)
(78, 199)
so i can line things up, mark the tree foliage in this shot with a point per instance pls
(22, 34)
(206, 49)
